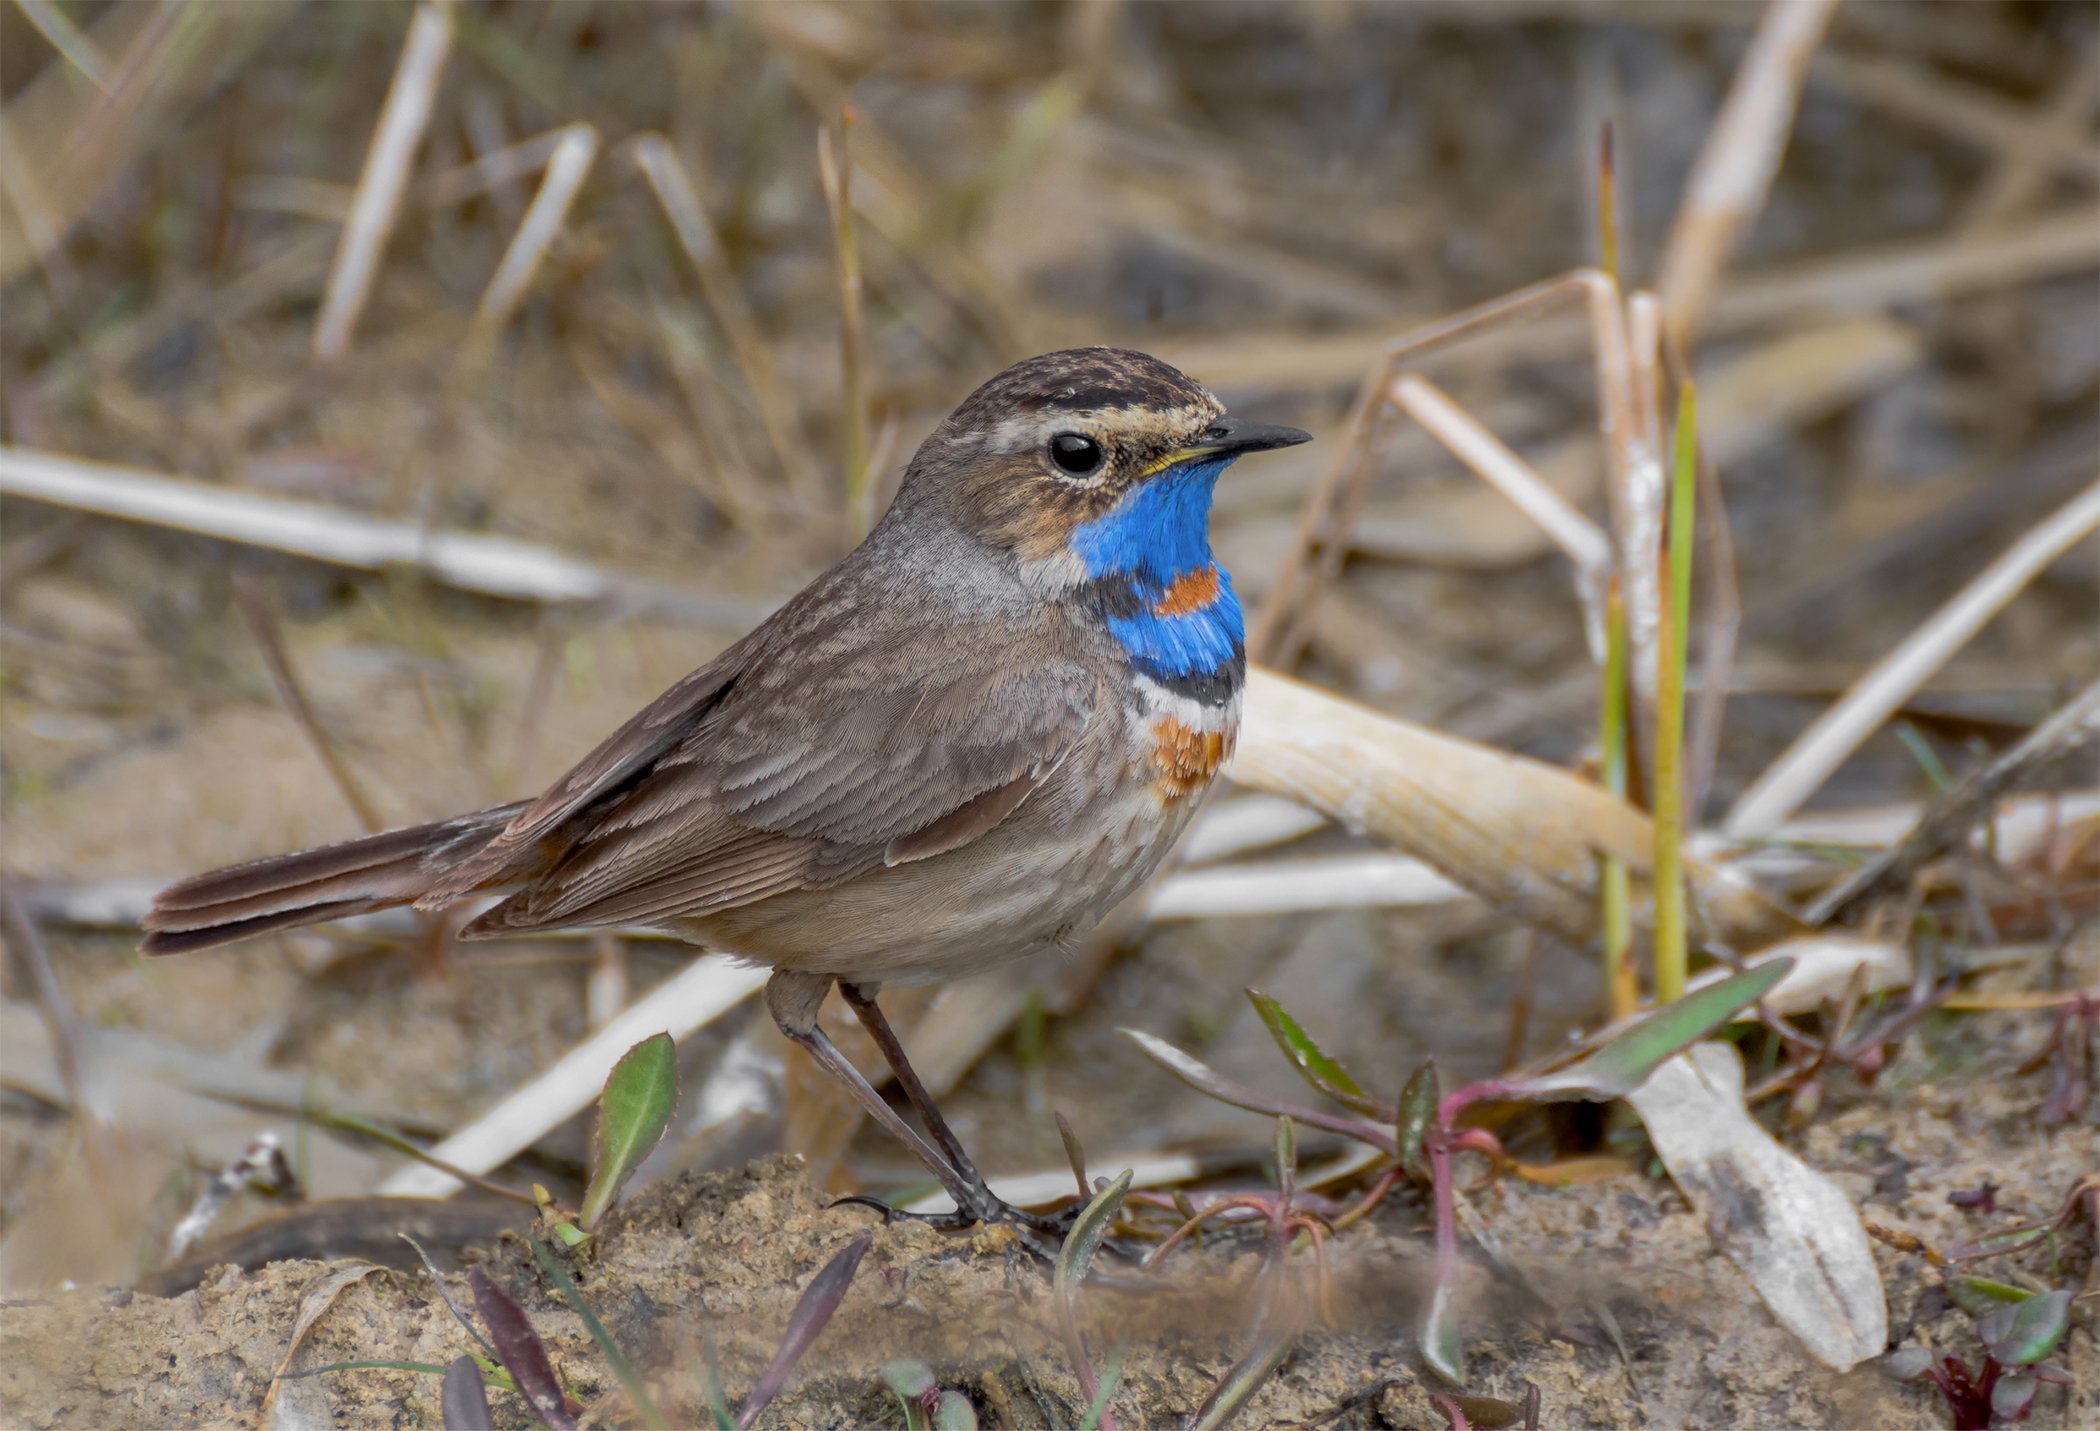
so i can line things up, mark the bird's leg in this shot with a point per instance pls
(862, 1002)
(793, 998)
(986, 1205)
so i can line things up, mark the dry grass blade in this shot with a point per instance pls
(1839, 731)
(565, 174)
(1323, 528)
(314, 1302)
(835, 167)
(379, 189)
(674, 190)
(1950, 818)
(65, 37)
(1741, 154)
(67, 143)
(1523, 835)
(703, 992)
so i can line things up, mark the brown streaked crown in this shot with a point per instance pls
(991, 465)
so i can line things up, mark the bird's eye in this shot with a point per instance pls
(1075, 454)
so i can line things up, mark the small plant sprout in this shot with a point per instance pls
(926, 1407)
(1420, 1133)
(2018, 1329)
(1081, 1243)
(634, 1112)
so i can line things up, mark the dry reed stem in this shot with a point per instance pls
(1818, 751)
(1637, 509)
(469, 561)
(1969, 112)
(402, 123)
(1735, 166)
(566, 169)
(1521, 834)
(725, 299)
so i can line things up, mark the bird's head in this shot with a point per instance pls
(1087, 463)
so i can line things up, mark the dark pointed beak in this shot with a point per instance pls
(1236, 435)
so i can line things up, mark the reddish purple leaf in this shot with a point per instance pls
(812, 1313)
(522, 1352)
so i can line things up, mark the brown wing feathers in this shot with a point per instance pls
(739, 782)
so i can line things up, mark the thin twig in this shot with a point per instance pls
(263, 626)
(61, 1021)
(1839, 731)
(401, 125)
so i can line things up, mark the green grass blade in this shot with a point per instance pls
(1670, 933)
(1111, 1377)
(630, 1380)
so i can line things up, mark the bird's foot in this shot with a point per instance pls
(1042, 1233)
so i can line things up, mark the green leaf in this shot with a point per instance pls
(1084, 1240)
(1418, 1103)
(1980, 1296)
(2024, 1333)
(1623, 1064)
(1440, 1341)
(635, 1110)
(953, 1412)
(1245, 1377)
(908, 1377)
(1313, 1063)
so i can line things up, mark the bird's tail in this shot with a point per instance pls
(282, 892)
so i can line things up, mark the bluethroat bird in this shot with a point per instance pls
(962, 744)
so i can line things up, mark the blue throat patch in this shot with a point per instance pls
(1160, 532)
